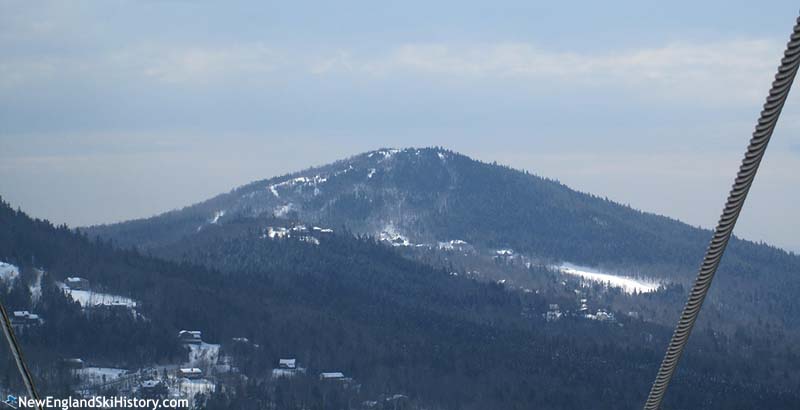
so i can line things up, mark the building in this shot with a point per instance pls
(73, 363)
(287, 368)
(287, 364)
(23, 318)
(190, 336)
(77, 283)
(332, 376)
(190, 373)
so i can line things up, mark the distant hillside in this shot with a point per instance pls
(339, 302)
(417, 199)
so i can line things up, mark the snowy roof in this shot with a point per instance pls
(288, 362)
(74, 279)
(331, 375)
(149, 384)
(191, 332)
(191, 370)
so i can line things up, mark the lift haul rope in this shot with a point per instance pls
(744, 179)
(13, 345)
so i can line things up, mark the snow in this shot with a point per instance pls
(371, 172)
(310, 239)
(453, 244)
(217, 215)
(99, 375)
(391, 235)
(283, 210)
(307, 181)
(278, 373)
(277, 232)
(626, 283)
(441, 156)
(90, 298)
(505, 252)
(191, 388)
(36, 287)
(203, 353)
(8, 272)
(386, 153)
(281, 232)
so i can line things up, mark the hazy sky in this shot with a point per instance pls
(112, 110)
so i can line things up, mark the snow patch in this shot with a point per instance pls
(98, 375)
(391, 235)
(277, 233)
(203, 354)
(455, 244)
(217, 215)
(191, 388)
(36, 287)
(386, 153)
(627, 284)
(90, 298)
(371, 173)
(283, 210)
(8, 272)
(310, 239)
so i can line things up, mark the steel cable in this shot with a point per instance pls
(744, 179)
(13, 345)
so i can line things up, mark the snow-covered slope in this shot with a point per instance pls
(8, 272)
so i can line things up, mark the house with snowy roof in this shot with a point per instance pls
(190, 336)
(24, 318)
(331, 376)
(190, 373)
(287, 368)
(287, 363)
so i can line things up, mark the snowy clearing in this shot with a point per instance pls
(626, 283)
(99, 375)
(191, 388)
(8, 272)
(205, 354)
(36, 287)
(282, 210)
(89, 298)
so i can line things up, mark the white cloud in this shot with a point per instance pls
(738, 70)
(203, 65)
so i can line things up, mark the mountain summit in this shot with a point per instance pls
(428, 202)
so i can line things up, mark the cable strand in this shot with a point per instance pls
(744, 180)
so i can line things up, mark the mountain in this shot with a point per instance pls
(451, 211)
(347, 303)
